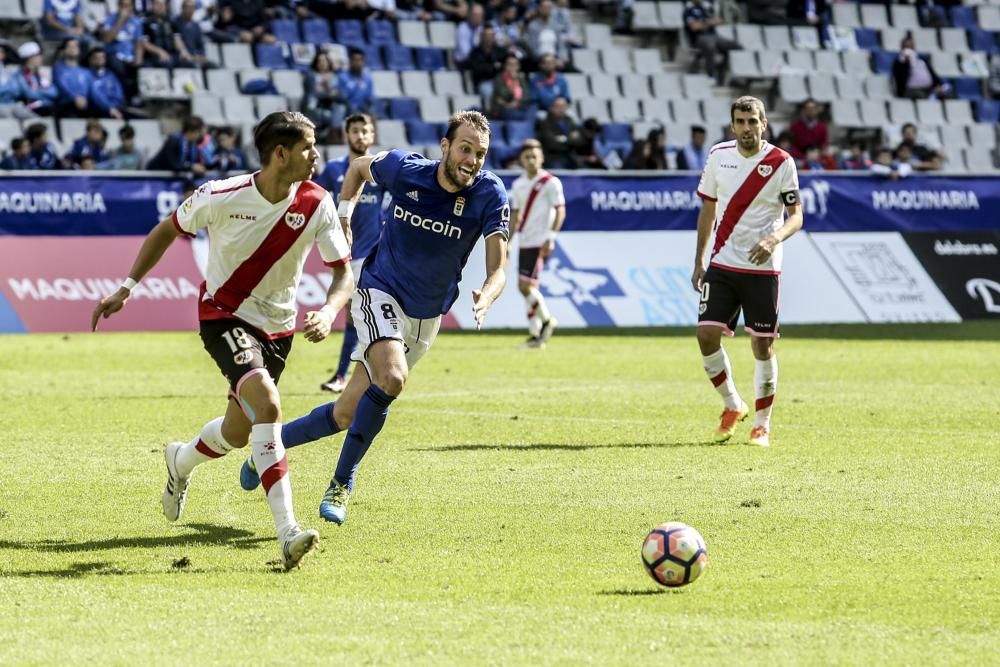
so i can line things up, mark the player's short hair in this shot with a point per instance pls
(359, 117)
(477, 120)
(528, 145)
(280, 128)
(747, 104)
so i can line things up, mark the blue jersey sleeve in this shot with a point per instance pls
(386, 168)
(496, 214)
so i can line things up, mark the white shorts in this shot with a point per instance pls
(377, 316)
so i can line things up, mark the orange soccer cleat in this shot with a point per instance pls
(728, 421)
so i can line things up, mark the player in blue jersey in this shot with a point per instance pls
(438, 210)
(366, 225)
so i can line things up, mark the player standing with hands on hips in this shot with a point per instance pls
(262, 227)
(747, 187)
(439, 209)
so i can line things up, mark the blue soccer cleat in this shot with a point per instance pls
(249, 479)
(333, 507)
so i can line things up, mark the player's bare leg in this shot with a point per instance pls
(765, 384)
(541, 324)
(337, 383)
(720, 373)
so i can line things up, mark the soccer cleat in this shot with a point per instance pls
(760, 436)
(547, 329)
(728, 421)
(298, 543)
(533, 343)
(333, 507)
(249, 479)
(335, 385)
(175, 492)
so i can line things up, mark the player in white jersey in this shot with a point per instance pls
(538, 209)
(747, 187)
(261, 227)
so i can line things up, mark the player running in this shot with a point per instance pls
(539, 209)
(747, 187)
(366, 225)
(261, 226)
(438, 211)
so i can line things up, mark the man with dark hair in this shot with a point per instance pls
(692, 156)
(437, 212)
(559, 135)
(912, 73)
(747, 186)
(923, 158)
(700, 22)
(107, 97)
(19, 156)
(262, 227)
(366, 225)
(180, 151)
(43, 153)
(73, 80)
(354, 84)
(91, 144)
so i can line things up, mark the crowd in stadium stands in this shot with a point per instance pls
(515, 53)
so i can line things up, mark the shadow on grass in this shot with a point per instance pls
(74, 571)
(636, 593)
(205, 534)
(541, 447)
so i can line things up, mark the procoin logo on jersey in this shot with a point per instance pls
(436, 226)
(295, 220)
(459, 205)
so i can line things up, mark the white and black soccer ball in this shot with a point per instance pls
(674, 554)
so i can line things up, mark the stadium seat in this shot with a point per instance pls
(442, 34)
(697, 86)
(878, 87)
(867, 39)
(154, 83)
(269, 104)
(289, 83)
(577, 84)
(987, 111)
(271, 56)
(302, 54)
(148, 134)
(448, 83)
(964, 17)
(597, 36)
(771, 63)
(686, 111)
(416, 84)
(743, 65)
(434, 109)
(421, 132)
(850, 87)
(616, 61)
(386, 84)
(590, 107)
(398, 57)
(750, 36)
(413, 33)
(635, 86)
(11, 10)
(930, 112)
(236, 56)
(646, 61)
(983, 134)
(519, 131)
(239, 109)
(873, 113)
(793, 88)
(404, 108)
(466, 102)
(904, 16)
(392, 132)
(33, 9)
(671, 14)
(978, 160)
(667, 85)
(857, 63)
(902, 111)
(350, 32)
(953, 39)
(882, 61)
(186, 82)
(430, 59)
(603, 86)
(989, 17)
(616, 132)
(285, 30)
(982, 40)
(973, 64)
(248, 74)
(716, 110)
(655, 108)
(827, 61)
(9, 129)
(209, 109)
(822, 86)
(844, 113)
(70, 129)
(586, 60)
(958, 112)
(777, 38)
(805, 37)
(625, 110)
(646, 16)
(846, 14)
(954, 136)
(381, 32)
(373, 56)
(213, 52)
(316, 31)
(874, 16)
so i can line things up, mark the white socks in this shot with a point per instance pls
(538, 312)
(721, 375)
(207, 446)
(765, 380)
(272, 466)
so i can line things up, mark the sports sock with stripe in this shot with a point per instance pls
(369, 418)
(207, 446)
(272, 465)
(765, 380)
(720, 373)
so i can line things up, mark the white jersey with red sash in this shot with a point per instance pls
(751, 193)
(257, 249)
(537, 200)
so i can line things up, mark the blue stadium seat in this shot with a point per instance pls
(867, 38)
(420, 133)
(967, 88)
(404, 108)
(373, 56)
(398, 58)
(286, 30)
(987, 111)
(430, 59)
(982, 40)
(380, 107)
(520, 131)
(964, 17)
(882, 61)
(271, 56)
(617, 132)
(381, 32)
(350, 32)
(316, 31)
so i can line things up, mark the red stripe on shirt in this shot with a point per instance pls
(719, 148)
(248, 275)
(744, 196)
(706, 197)
(536, 188)
(339, 262)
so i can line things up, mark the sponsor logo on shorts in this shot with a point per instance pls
(295, 220)
(702, 307)
(243, 357)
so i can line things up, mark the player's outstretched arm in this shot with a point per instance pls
(496, 277)
(763, 250)
(358, 171)
(156, 243)
(706, 220)
(318, 323)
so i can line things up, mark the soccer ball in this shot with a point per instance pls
(674, 554)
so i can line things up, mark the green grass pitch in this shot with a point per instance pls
(499, 516)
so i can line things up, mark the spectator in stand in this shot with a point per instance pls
(11, 99)
(161, 46)
(700, 22)
(816, 13)
(884, 165)
(180, 152)
(72, 79)
(547, 84)
(245, 21)
(107, 97)
(559, 135)
(321, 102)
(62, 19)
(562, 23)
(808, 130)
(509, 29)
(37, 90)
(913, 75)
(450, 10)
(692, 156)
(856, 158)
(545, 35)
(814, 159)
(649, 153)
(412, 10)
(43, 152)
(228, 157)
(122, 36)
(354, 85)
(485, 62)
(19, 157)
(204, 15)
(128, 156)
(510, 92)
(784, 141)
(993, 83)
(586, 152)
(90, 144)
(467, 34)
(191, 35)
(923, 158)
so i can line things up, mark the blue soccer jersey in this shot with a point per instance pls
(366, 223)
(429, 232)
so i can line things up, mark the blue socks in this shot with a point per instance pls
(317, 424)
(368, 421)
(347, 348)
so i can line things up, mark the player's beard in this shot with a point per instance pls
(358, 147)
(456, 177)
(751, 143)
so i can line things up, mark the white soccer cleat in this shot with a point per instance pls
(296, 545)
(337, 384)
(760, 436)
(175, 492)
